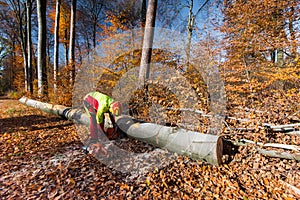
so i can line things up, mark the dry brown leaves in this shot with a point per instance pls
(41, 158)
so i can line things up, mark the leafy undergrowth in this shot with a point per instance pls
(41, 158)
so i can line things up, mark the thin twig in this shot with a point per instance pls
(245, 142)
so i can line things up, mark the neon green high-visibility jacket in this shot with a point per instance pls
(99, 102)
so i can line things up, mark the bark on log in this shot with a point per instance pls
(195, 145)
(192, 144)
(76, 115)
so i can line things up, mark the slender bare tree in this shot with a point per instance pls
(42, 38)
(29, 46)
(143, 13)
(56, 44)
(18, 8)
(191, 24)
(72, 40)
(148, 42)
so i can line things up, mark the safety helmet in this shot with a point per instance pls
(116, 108)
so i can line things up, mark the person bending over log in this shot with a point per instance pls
(96, 104)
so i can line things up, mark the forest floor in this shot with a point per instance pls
(41, 157)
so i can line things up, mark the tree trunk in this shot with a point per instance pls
(13, 62)
(18, 10)
(143, 14)
(25, 66)
(72, 41)
(189, 143)
(29, 47)
(42, 73)
(196, 145)
(94, 12)
(147, 42)
(66, 47)
(191, 25)
(56, 44)
(94, 35)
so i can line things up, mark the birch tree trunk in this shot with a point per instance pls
(23, 44)
(66, 47)
(56, 44)
(72, 40)
(29, 46)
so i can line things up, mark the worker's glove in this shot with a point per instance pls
(113, 133)
(97, 149)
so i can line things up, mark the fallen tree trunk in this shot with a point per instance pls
(76, 115)
(196, 145)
